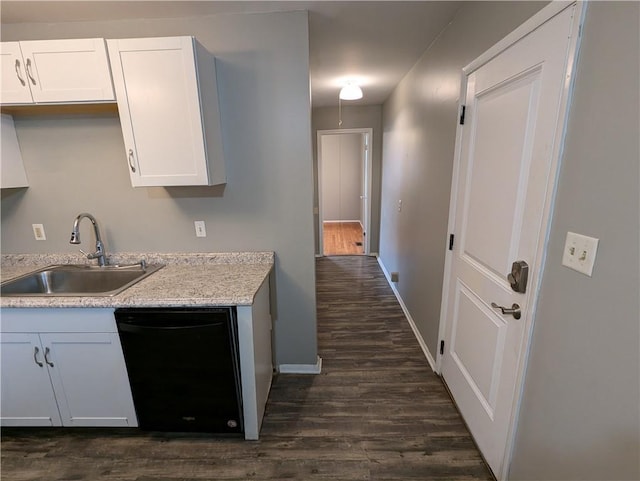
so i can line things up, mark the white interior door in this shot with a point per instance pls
(515, 108)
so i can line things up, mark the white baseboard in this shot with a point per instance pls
(351, 221)
(414, 328)
(301, 368)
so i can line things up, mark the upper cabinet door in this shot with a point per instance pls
(14, 87)
(167, 99)
(56, 71)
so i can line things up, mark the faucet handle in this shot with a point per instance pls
(87, 255)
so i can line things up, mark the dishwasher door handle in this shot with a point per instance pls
(126, 327)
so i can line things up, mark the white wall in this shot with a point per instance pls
(76, 163)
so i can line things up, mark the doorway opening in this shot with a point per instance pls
(344, 186)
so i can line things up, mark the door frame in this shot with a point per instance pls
(526, 28)
(366, 182)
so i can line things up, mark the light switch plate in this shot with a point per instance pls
(201, 229)
(580, 253)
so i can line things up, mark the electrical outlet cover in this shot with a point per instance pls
(38, 232)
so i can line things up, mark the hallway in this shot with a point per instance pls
(377, 412)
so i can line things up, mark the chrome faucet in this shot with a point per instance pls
(75, 238)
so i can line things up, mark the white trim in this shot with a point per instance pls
(367, 181)
(414, 328)
(525, 29)
(354, 221)
(543, 16)
(301, 368)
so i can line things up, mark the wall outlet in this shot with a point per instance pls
(201, 229)
(399, 205)
(38, 232)
(395, 277)
(580, 253)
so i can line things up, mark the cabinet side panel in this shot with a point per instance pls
(262, 347)
(12, 170)
(247, 373)
(208, 86)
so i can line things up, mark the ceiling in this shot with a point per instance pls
(374, 43)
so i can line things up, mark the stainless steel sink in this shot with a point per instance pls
(77, 280)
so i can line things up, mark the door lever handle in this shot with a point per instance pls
(514, 310)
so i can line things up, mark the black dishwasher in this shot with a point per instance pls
(183, 366)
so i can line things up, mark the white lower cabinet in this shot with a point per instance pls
(27, 396)
(61, 377)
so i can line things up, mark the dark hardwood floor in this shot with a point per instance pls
(377, 412)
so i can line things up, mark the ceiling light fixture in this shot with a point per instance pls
(350, 92)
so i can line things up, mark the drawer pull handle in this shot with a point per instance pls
(35, 356)
(46, 356)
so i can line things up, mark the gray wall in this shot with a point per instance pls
(580, 413)
(579, 419)
(353, 117)
(419, 122)
(76, 163)
(342, 177)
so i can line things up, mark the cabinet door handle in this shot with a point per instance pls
(35, 356)
(130, 158)
(19, 74)
(28, 67)
(46, 356)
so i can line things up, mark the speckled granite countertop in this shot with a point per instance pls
(186, 280)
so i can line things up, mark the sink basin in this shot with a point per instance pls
(77, 280)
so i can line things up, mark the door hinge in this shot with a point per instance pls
(462, 112)
(442, 347)
(451, 237)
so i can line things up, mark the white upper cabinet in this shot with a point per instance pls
(12, 173)
(167, 98)
(55, 71)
